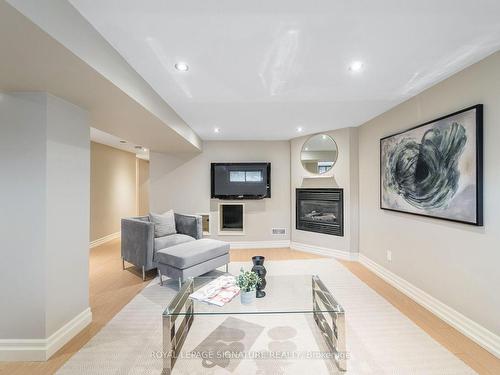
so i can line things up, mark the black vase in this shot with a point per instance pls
(260, 270)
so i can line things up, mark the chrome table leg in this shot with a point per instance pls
(173, 334)
(330, 318)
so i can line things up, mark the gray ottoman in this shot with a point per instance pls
(191, 259)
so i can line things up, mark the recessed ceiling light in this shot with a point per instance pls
(323, 136)
(356, 66)
(216, 130)
(123, 141)
(300, 129)
(182, 67)
(306, 149)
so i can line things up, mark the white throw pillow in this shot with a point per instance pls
(164, 224)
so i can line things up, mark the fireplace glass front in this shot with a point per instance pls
(320, 210)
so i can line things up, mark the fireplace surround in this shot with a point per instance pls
(320, 210)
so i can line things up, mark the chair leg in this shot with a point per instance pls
(159, 275)
(227, 267)
(143, 274)
(123, 264)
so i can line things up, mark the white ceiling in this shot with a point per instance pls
(104, 138)
(260, 69)
(121, 103)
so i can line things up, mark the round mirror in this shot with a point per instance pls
(319, 154)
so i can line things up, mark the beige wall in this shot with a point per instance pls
(183, 184)
(455, 263)
(342, 175)
(142, 187)
(112, 189)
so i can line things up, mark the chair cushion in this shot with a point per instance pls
(189, 254)
(171, 240)
(164, 224)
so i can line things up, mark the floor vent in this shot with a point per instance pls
(278, 231)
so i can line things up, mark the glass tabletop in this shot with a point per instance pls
(289, 294)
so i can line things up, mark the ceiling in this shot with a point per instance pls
(33, 60)
(260, 69)
(104, 138)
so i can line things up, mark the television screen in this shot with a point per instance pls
(241, 180)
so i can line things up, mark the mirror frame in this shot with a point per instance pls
(334, 161)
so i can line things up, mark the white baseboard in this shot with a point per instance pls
(259, 244)
(43, 349)
(477, 333)
(105, 239)
(323, 251)
(64, 334)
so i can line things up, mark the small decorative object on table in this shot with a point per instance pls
(247, 281)
(260, 270)
(217, 292)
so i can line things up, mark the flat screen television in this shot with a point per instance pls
(241, 180)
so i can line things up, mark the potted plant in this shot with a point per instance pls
(247, 281)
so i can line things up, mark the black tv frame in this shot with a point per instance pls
(239, 197)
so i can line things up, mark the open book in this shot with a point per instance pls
(217, 292)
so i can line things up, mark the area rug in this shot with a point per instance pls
(380, 339)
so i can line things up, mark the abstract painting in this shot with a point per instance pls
(435, 169)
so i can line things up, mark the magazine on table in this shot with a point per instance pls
(217, 292)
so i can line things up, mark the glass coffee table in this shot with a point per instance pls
(285, 294)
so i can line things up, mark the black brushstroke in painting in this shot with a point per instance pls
(426, 174)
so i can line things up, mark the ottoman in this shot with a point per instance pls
(191, 259)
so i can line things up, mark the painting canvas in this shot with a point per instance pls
(435, 169)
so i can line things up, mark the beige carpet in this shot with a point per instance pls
(380, 340)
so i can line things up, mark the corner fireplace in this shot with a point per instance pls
(320, 210)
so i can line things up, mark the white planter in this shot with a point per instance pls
(247, 297)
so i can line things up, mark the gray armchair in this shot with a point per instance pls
(139, 245)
